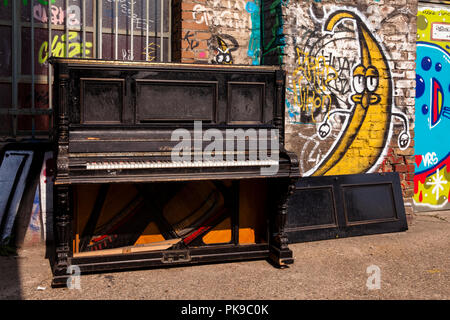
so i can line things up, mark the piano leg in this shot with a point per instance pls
(62, 236)
(280, 254)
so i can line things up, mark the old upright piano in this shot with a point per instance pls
(168, 164)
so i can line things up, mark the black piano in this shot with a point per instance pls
(163, 164)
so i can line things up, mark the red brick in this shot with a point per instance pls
(187, 6)
(187, 54)
(400, 168)
(186, 16)
(409, 176)
(203, 35)
(193, 26)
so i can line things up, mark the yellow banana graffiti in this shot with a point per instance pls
(367, 129)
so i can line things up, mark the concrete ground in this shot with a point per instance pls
(413, 265)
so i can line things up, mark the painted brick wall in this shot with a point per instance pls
(217, 31)
(324, 126)
(432, 122)
(332, 128)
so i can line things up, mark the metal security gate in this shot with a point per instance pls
(32, 31)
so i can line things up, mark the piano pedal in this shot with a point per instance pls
(178, 256)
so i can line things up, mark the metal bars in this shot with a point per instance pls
(15, 29)
(33, 102)
(56, 17)
(116, 30)
(99, 25)
(83, 26)
(162, 30)
(146, 29)
(132, 30)
(67, 28)
(169, 23)
(49, 54)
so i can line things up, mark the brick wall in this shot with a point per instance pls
(332, 128)
(216, 31)
(327, 124)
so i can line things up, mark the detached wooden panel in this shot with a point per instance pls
(320, 201)
(343, 206)
(369, 203)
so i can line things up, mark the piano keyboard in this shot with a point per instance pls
(176, 164)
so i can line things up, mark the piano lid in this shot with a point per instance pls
(167, 66)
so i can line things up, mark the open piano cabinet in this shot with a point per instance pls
(119, 204)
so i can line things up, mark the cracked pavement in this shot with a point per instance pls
(414, 264)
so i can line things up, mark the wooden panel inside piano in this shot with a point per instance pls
(126, 218)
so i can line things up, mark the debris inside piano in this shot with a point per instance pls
(127, 218)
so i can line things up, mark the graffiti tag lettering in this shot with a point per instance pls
(192, 44)
(151, 51)
(58, 15)
(317, 73)
(226, 18)
(58, 47)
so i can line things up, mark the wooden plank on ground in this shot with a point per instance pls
(155, 246)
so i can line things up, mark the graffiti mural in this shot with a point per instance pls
(224, 50)
(347, 98)
(226, 27)
(274, 41)
(313, 98)
(370, 117)
(254, 46)
(58, 14)
(229, 17)
(432, 125)
(58, 47)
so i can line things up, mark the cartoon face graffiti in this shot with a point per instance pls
(432, 84)
(223, 53)
(365, 82)
(224, 56)
(370, 117)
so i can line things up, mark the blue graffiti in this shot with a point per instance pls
(432, 100)
(254, 46)
(292, 112)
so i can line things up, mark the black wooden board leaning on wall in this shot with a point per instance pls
(330, 207)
